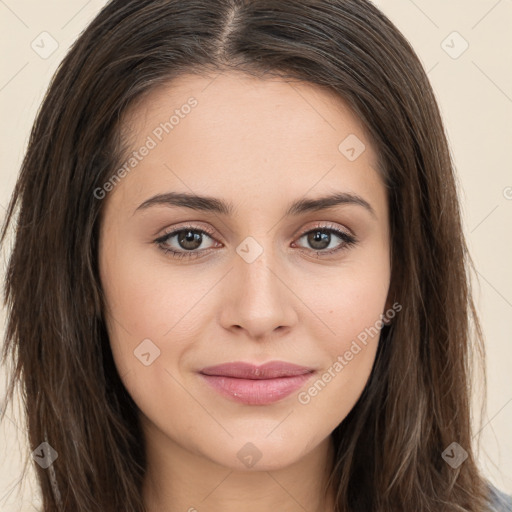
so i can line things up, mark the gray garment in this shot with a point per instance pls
(501, 502)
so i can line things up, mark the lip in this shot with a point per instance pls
(256, 385)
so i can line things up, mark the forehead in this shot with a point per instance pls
(212, 132)
(259, 107)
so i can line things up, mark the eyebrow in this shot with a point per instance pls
(212, 204)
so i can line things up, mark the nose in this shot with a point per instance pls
(257, 298)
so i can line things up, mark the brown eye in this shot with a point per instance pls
(187, 243)
(189, 240)
(320, 238)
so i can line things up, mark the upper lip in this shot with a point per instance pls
(270, 370)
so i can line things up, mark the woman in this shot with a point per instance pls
(239, 274)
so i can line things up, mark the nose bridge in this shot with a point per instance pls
(256, 268)
(259, 296)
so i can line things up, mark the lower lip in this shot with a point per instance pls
(257, 392)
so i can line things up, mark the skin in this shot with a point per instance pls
(258, 144)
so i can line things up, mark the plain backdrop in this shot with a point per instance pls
(464, 45)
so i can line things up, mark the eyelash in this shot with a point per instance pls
(348, 241)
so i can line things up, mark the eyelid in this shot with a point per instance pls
(188, 225)
(347, 236)
(327, 226)
(210, 231)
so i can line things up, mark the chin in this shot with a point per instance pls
(260, 453)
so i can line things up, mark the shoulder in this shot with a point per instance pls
(500, 502)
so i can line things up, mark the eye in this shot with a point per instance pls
(189, 239)
(321, 237)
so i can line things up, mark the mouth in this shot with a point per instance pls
(256, 385)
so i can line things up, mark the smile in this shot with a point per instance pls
(256, 385)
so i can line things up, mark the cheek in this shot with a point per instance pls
(146, 309)
(143, 298)
(351, 302)
(357, 306)
(349, 338)
(150, 299)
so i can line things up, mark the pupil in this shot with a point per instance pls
(319, 237)
(190, 238)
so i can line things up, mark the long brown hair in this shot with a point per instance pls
(417, 400)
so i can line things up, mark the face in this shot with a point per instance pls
(242, 275)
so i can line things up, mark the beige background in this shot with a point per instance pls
(474, 90)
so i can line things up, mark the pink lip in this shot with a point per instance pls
(256, 385)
